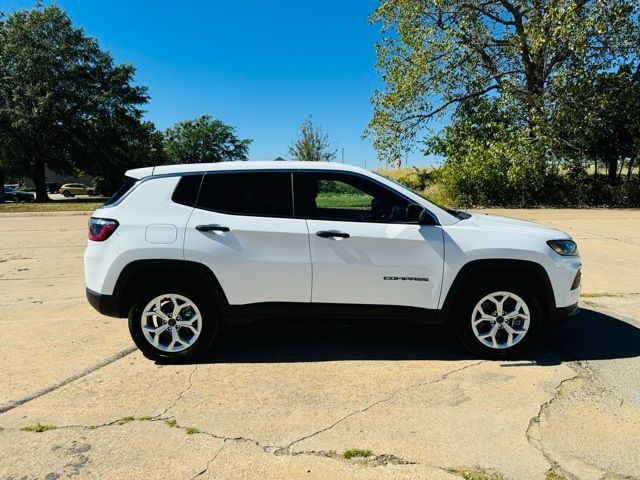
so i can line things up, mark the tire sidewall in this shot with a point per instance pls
(464, 331)
(210, 327)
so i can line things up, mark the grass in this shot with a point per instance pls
(191, 430)
(345, 200)
(124, 420)
(53, 206)
(144, 418)
(356, 452)
(476, 474)
(553, 475)
(172, 422)
(38, 428)
(598, 295)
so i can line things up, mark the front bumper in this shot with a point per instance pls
(560, 314)
(108, 305)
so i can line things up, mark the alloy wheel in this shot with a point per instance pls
(171, 323)
(500, 320)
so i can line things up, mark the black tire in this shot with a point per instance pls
(209, 329)
(67, 194)
(462, 321)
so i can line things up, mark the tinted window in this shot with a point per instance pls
(186, 192)
(126, 186)
(338, 196)
(250, 193)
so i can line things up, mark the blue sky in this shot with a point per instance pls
(262, 66)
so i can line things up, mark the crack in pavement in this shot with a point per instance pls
(224, 444)
(371, 460)
(383, 400)
(374, 460)
(582, 372)
(179, 397)
(537, 444)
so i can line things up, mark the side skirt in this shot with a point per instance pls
(244, 314)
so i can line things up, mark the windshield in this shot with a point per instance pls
(459, 214)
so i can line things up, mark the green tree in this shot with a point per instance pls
(204, 140)
(437, 53)
(126, 143)
(598, 122)
(489, 159)
(313, 144)
(59, 92)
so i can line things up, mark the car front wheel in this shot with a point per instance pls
(67, 193)
(499, 322)
(173, 327)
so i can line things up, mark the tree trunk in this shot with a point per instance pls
(2, 178)
(40, 181)
(612, 170)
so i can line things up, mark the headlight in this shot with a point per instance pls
(565, 248)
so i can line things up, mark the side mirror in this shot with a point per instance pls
(417, 214)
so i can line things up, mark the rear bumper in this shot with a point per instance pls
(560, 314)
(108, 305)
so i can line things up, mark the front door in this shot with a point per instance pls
(362, 249)
(243, 229)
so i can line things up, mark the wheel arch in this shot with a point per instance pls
(141, 275)
(476, 271)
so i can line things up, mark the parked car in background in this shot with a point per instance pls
(73, 189)
(14, 195)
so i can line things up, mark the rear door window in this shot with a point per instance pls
(248, 193)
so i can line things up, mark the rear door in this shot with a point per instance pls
(243, 229)
(362, 249)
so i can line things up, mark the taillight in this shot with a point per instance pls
(101, 228)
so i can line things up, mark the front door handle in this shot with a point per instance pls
(214, 227)
(332, 234)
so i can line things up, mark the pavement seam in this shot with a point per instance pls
(68, 380)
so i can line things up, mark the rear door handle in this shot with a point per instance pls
(214, 227)
(332, 234)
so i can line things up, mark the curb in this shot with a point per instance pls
(46, 214)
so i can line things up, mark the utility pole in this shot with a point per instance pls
(343, 155)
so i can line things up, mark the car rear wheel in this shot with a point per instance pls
(173, 327)
(499, 321)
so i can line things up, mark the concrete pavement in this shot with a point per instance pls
(285, 401)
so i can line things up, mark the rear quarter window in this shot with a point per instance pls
(186, 192)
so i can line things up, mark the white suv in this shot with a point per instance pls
(184, 249)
